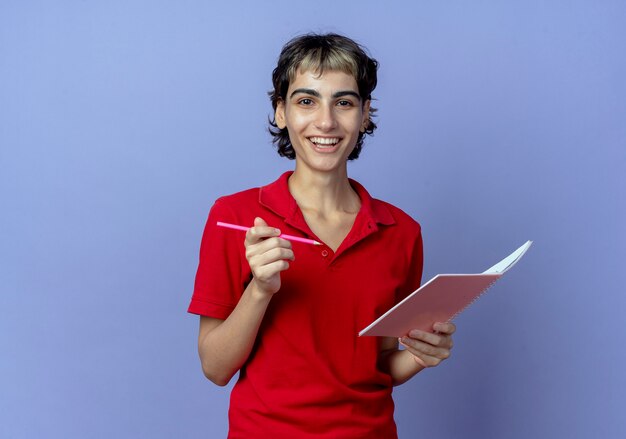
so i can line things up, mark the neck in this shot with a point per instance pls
(323, 193)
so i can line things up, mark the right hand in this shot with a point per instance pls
(267, 255)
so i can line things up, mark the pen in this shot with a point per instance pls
(284, 236)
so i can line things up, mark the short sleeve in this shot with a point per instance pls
(223, 272)
(413, 277)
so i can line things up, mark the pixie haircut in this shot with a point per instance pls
(318, 53)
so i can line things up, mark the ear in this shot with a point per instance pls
(365, 122)
(279, 114)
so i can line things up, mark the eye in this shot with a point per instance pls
(305, 101)
(344, 103)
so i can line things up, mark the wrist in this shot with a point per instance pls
(257, 292)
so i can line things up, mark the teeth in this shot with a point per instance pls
(324, 140)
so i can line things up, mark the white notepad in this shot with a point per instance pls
(440, 299)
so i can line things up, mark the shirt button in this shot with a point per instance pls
(324, 253)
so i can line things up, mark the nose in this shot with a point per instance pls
(326, 118)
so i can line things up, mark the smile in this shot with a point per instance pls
(327, 142)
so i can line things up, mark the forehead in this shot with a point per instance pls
(330, 80)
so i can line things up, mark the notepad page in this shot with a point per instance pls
(508, 262)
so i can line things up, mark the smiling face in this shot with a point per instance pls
(323, 115)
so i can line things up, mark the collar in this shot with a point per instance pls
(276, 197)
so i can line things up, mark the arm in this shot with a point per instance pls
(423, 349)
(224, 345)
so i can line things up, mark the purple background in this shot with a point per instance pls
(122, 121)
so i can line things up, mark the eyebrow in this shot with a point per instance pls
(310, 91)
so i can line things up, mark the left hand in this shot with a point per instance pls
(430, 349)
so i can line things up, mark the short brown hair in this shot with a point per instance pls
(320, 52)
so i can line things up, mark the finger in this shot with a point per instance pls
(266, 272)
(260, 231)
(428, 337)
(448, 328)
(419, 347)
(270, 256)
(266, 245)
(426, 360)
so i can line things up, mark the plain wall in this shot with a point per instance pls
(122, 121)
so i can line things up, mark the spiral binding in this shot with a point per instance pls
(475, 298)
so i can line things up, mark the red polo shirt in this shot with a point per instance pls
(309, 375)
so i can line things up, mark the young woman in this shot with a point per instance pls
(286, 314)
